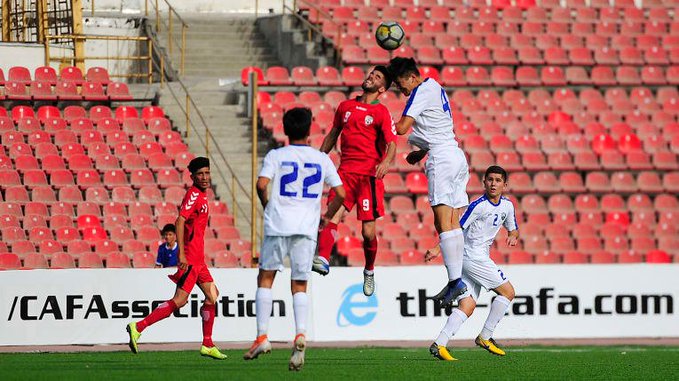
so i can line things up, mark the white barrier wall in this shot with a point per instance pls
(575, 301)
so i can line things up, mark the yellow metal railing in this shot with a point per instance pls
(195, 123)
(143, 42)
(171, 29)
(313, 22)
(254, 200)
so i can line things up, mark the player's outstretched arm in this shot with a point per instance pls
(330, 140)
(403, 125)
(179, 226)
(262, 184)
(513, 237)
(383, 167)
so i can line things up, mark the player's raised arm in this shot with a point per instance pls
(404, 124)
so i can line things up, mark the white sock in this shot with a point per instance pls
(263, 304)
(300, 305)
(452, 249)
(453, 324)
(497, 311)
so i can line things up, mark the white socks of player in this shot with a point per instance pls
(300, 305)
(455, 321)
(452, 249)
(497, 311)
(263, 304)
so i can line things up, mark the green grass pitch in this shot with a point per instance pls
(521, 363)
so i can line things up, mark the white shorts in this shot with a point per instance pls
(448, 173)
(299, 248)
(481, 272)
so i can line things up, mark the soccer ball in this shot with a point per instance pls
(389, 35)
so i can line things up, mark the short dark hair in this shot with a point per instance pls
(297, 123)
(198, 163)
(168, 228)
(401, 67)
(387, 75)
(498, 170)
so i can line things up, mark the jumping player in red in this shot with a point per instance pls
(191, 269)
(368, 148)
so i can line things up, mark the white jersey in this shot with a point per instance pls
(429, 106)
(481, 223)
(297, 174)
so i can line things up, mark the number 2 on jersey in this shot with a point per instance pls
(308, 182)
(445, 102)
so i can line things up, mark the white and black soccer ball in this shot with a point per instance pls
(389, 35)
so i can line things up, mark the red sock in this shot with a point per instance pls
(161, 312)
(370, 252)
(207, 312)
(326, 240)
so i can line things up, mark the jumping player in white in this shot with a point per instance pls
(481, 222)
(292, 214)
(428, 113)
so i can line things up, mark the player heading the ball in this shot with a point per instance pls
(368, 145)
(428, 113)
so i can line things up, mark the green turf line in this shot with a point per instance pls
(523, 363)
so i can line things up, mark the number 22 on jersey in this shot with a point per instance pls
(290, 179)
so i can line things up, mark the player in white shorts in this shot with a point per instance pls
(481, 222)
(428, 113)
(292, 213)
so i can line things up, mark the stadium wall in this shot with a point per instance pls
(80, 306)
(30, 56)
(193, 6)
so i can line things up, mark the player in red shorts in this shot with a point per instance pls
(368, 148)
(191, 269)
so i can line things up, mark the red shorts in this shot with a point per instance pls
(364, 190)
(186, 279)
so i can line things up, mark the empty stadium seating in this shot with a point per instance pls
(579, 105)
(87, 187)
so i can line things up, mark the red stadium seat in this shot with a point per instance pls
(72, 74)
(117, 260)
(658, 256)
(93, 92)
(90, 261)
(278, 75)
(98, 75)
(118, 91)
(245, 76)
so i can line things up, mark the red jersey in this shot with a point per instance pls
(366, 131)
(194, 209)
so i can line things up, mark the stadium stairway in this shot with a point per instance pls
(220, 46)
(217, 50)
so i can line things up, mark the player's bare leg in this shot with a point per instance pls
(326, 240)
(263, 305)
(300, 305)
(447, 223)
(161, 312)
(370, 253)
(459, 315)
(498, 308)
(207, 313)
